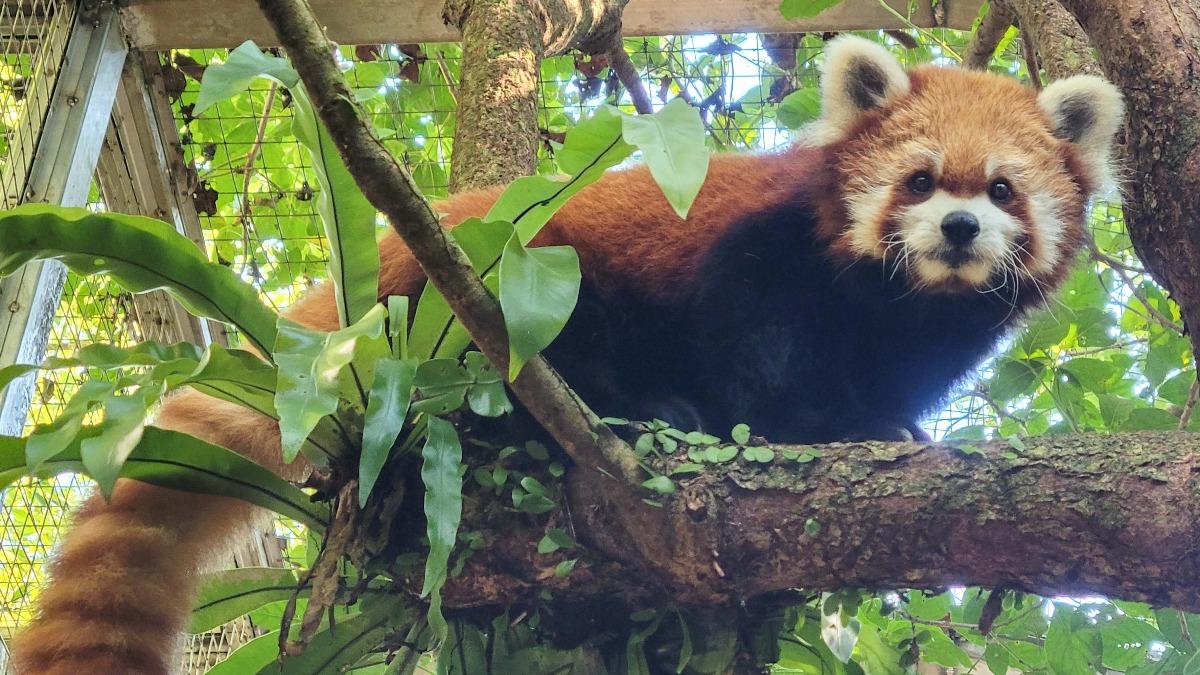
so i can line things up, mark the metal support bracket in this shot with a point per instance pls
(61, 173)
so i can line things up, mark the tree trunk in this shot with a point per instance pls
(1151, 49)
(504, 41)
(1062, 47)
(1116, 514)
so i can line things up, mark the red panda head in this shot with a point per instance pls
(962, 180)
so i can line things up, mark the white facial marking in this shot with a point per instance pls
(920, 226)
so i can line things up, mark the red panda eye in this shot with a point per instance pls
(1000, 190)
(920, 182)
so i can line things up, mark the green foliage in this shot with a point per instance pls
(226, 595)
(141, 254)
(672, 145)
(802, 9)
(443, 510)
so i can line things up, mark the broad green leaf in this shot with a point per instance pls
(141, 254)
(876, 656)
(48, 441)
(434, 332)
(1014, 378)
(342, 643)
(256, 656)
(799, 108)
(181, 462)
(591, 147)
(386, 412)
(672, 145)
(538, 291)
(236, 376)
(486, 396)
(312, 373)
(103, 454)
(347, 216)
(223, 80)
(443, 510)
(840, 634)
(802, 9)
(1066, 654)
(228, 594)
(996, 657)
(443, 384)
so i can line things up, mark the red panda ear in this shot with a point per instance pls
(1087, 111)
(857, 75)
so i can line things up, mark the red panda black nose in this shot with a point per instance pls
(960, 227)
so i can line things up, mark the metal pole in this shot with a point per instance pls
(61, 173)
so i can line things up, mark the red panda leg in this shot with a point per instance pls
(124, 577)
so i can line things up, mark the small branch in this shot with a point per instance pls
(1032, 63)
(1190, 407)
(987, 37)
(248, 230)
(622, 65)
(1122, 271)
(391, 189)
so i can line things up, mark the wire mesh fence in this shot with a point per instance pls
(251, 184)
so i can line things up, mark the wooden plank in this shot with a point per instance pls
(167, 24)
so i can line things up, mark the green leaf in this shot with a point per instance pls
(253, 657)
(104, 452)
(347, 216)
(141, 254)
(236, 376)
(799, 108)
(486, 395)
(538, 291)
(740, 434)
(672, 145)
(443, 510)
(564, 568)
(48, 441)
(340, 645)
(386, 411)
(1014, 378)
(228, 594)
(660, 484)
(996, 657)
(840, 634)
(802, 9)
(241, 67)
(312, 377)
(180, 462)
(591, 147)
(876, 656)
(443, 384)
(1065, 652)
(554, 540)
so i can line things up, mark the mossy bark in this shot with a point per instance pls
(1062, 46)
(1115, 514)
(504, 41)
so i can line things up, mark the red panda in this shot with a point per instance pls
(836, 289)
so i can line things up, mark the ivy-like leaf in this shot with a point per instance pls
(538, 291)
(672, 145)
(242, 66)
(803, 9)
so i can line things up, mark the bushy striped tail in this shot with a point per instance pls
(123, 580)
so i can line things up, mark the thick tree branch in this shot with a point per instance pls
(982, 46)
(1062, 47)
(1151, 49)
(391, 189)
(1113, 514)
(504, 41)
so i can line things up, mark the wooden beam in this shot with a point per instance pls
(168, 24)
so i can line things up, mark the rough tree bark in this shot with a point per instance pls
(1151, 49)
(1062, 46)
(1112, 514)
(504, 41)
(983, 43)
